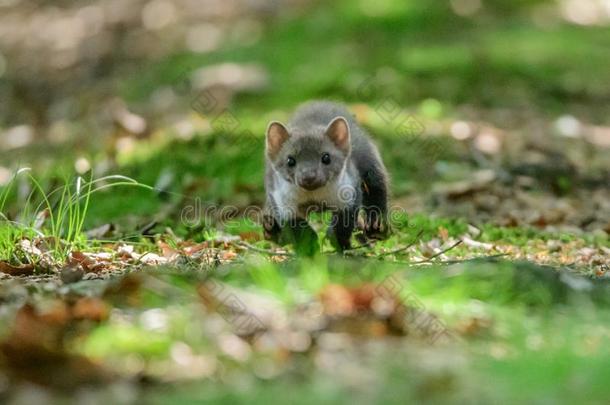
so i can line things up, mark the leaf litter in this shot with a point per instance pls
(47, 334)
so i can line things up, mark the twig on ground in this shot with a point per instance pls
(456, 261)
(453, 261)
(402, 249)
(246, 245)
(439, 253)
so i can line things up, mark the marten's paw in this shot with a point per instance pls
(341, 243)
(271, 229)
(375, 226)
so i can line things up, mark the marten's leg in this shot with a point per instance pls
(295, 231)
(302, 236)
(271, 228)
(341, 228)
(375, 204)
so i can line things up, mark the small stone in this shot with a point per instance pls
(71, 274)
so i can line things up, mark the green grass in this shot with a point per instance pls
(433, 54)
(426, 58)
(57, 216)
(543, 336)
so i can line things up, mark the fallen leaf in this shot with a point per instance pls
(476, 244)
(337, 300)
(167, 251)
(250, 236)
(23, 270)
(89, 308)
(89, 264)
(35, 350)
(193, 249)
(473, 326)
(374, 310)
(228, 255)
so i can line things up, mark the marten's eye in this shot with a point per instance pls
(291, 162)
(326, 159)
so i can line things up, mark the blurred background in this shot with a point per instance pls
(493, 93)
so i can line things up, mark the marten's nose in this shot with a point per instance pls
(310, 181)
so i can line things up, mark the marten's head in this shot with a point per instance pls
(310, 158)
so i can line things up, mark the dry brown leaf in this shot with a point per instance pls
(473, 326)
(35, 350)
(88, 263)
(228, 255)
(250, 236)
(195, 248)
(337, 300)
(23, 270)
(374, 310)
(92, 309)
(167, 251)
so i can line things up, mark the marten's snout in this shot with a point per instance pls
(310, 180)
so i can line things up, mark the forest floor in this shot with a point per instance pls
(132, 264)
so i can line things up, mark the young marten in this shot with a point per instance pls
(323, 160)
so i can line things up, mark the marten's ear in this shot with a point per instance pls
(277, 134)
(338, 132)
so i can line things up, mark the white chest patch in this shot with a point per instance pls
(292, 200)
